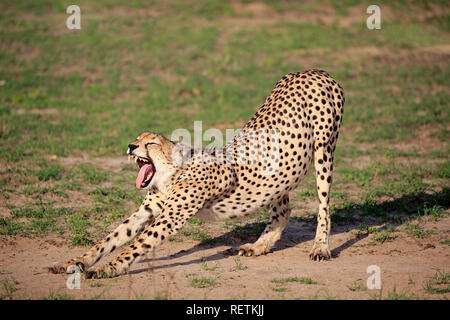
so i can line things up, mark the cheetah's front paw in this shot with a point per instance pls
(320, 252)
(106, 271)
(252, 249)
(66, 267)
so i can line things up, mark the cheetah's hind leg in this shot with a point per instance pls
(279, 217)
(323, 163)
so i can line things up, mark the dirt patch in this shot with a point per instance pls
(30, 53)
(436, 54)
(224, 125)
(120, 11)
(107, 164)
(79, 67)
(69, 68)
(46, 111)
(21, 51)
(258, 14)
(406, 263)
(423, 142)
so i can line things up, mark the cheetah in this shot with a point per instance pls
(300, 122)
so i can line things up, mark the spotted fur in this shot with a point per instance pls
(301, 118)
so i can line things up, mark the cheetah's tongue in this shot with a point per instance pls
(145, 170)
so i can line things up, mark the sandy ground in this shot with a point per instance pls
(406, 264)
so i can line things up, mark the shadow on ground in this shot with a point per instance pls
(301, 230)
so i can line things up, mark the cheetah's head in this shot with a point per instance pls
(153, 154)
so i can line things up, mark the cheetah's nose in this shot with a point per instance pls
(131, 147)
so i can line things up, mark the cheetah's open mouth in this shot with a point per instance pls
(146, 171)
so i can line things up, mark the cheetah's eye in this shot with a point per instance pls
(150, 144)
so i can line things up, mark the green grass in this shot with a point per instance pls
(357, 286)
(40, 218)
(394, 295)
(10, 227)
(202, 282)
(323, 294)
(379, 235)
(302, 280)
(69, 97)
(178, 49)
(418, 231)
(205, 267)
(160, 296)
(250, 229)
(443, 169)
(382, 237)
(37, 191)
(89, 173)
(307, 193)
(9, 286)
(40, 210)
(279, 289)
(115, 195)
(400, 295)
(238, 265)
(341, 218)
(95, 284)
(280, 284)
(196, 221)
(49, 171)
(78, 224)
(438, 283)
(360, 177)
(198, 235)
(57, 296)
(435, 211)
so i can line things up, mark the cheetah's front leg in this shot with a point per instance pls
(150, 208)
(177, 210)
